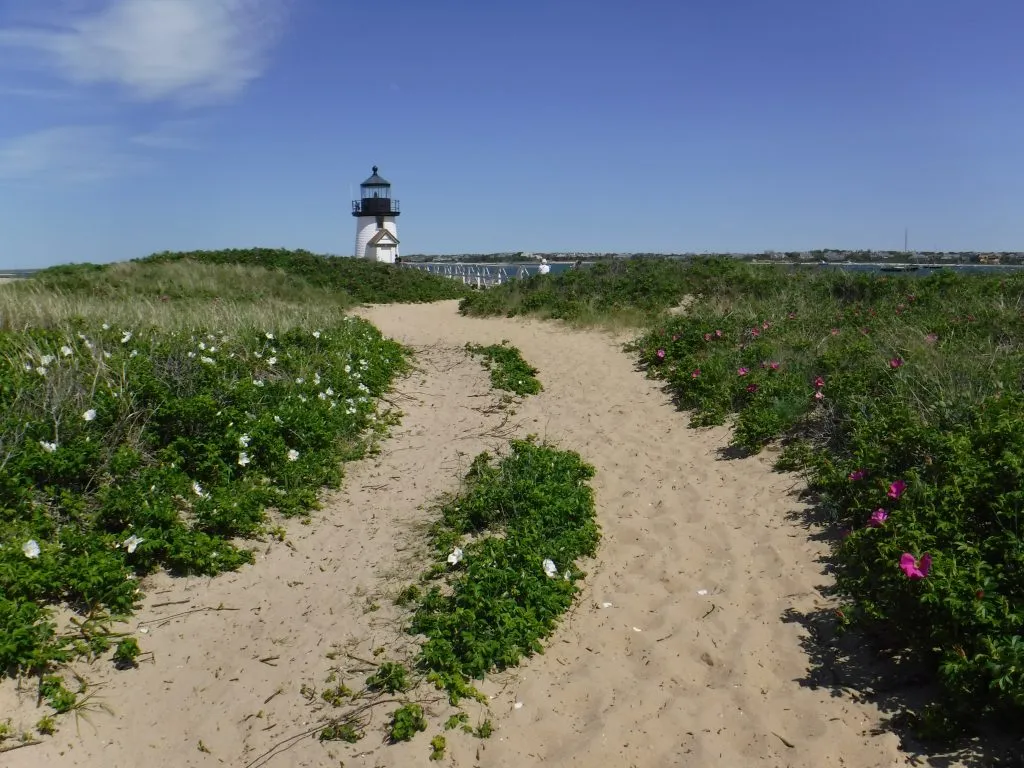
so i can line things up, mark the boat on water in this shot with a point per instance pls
(900, 267)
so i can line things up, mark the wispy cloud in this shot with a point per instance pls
(77, 153)
(194, 52)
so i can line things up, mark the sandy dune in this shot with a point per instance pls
(692, 664)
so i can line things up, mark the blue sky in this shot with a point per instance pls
(132, 126)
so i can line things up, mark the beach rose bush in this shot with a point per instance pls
(124, 450)
(901, 400)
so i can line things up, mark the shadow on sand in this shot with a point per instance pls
(859, 666)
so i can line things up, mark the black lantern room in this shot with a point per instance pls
(375, 198)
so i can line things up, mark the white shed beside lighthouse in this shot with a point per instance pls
(375, 212)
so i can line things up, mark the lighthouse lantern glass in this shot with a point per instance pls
(370, 191)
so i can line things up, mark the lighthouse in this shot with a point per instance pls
(375, 212)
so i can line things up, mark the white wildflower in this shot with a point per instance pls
(257, 382)
(350, 411)
(197, 489)
(66, 351)
(202, 345)
(456, 556)
(126, 337)
(243, 459)
(272, 361)
(31, 549)
(191, 354)
(212, 350)
(278, 420)
(48, 447)
(106, 326)
(316, 334)
(269, 335)
(89, 415)
(258, 354)
(300, 380)
(302, 398)
(322, 395)
(316, 378)
(244, 441)
(207, 360)
(41, 370)
(293, 455)
(348, 369)
(134, 353)
(550, 569)
(132, 542)
(46, 360)
(330, 391)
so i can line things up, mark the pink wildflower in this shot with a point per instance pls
(695, 374)
(896, 362)
(819, 395)
(742, 371)
(751, 388)
(819, 382)
(773, 365)
(878, 518)
(931, 338)
(835, 331)
(916, 569)
(707, 337)
(718, 333)
(675, 337)
(661, 354)
(858, 474)
(897, 489)
(765, 325)
(754, 332)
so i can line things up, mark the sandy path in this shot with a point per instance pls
(708, 680)
(686, 689)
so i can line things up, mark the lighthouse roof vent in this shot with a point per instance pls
(376, 180)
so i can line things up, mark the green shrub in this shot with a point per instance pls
(509, 371)
(499, 601)
(125, 450)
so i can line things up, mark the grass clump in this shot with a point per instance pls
(900, 398)
(530, 517)
(128, 448)
(406, 722)
(509, 371)
(438, 744)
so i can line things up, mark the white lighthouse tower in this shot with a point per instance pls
(375, 212)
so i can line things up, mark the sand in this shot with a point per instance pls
(703, 561)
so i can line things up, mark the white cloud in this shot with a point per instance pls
(192, 51)
(173, 134)
(76, 153)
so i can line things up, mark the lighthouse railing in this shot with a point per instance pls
(477, 275)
